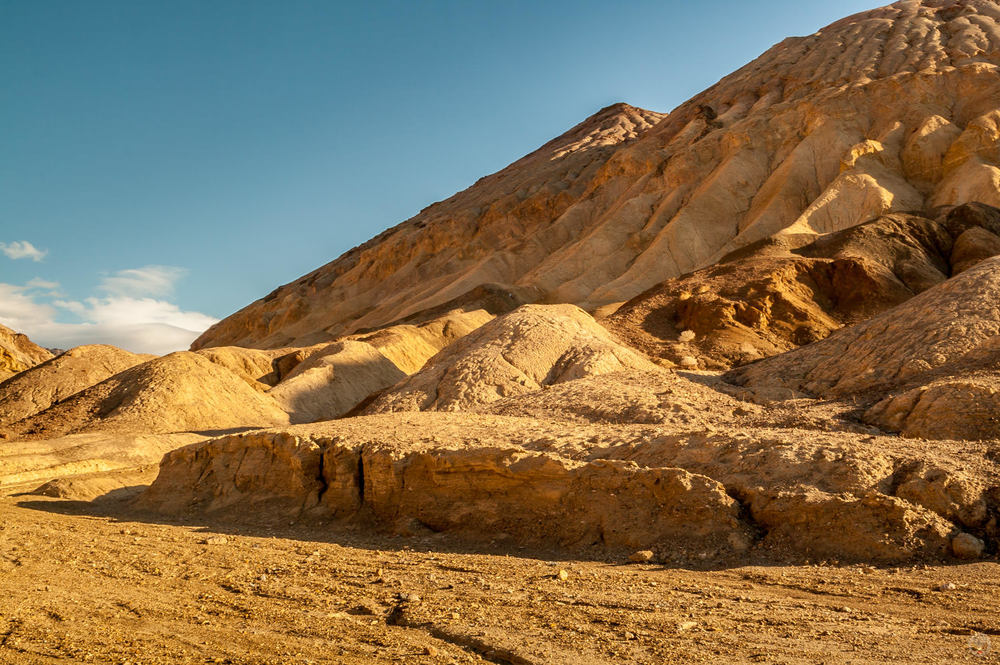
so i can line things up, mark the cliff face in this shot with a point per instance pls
(896, 109)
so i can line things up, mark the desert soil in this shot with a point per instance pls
(96, 582)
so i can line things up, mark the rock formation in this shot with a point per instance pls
(822, 220)
(18, 353)
(798, 493)
(892, 110)
(936, 354)
(775, 295)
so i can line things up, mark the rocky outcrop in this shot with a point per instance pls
(476, 491)
(180, 392)
(926, 368)
(595, 487)
(628, 396)
(959, 408)
(331, 380)
(932, 331)
(18, 353)
(260, 369)
(533, 346)
(892, 110)
(409, 346)
(776, 295)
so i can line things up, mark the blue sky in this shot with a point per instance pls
(163, 164)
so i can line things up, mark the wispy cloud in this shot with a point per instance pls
(145, 281)
(22, 249)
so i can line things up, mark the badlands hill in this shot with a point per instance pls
(892, 110)
(36, 389)
(181, 392)
(100, 388)
(18, 353)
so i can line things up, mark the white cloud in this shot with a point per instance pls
(22, 249)
(145, 281)
(138, 324)
(20, 311)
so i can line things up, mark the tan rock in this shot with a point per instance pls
(482, 484)
(974, 245)
(334, 380)
(623, 487)
(641, 556)
(780, 294)
(928, 332)
(967, 546)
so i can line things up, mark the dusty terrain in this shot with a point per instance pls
(100, 584)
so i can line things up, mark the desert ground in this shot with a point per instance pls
(97, 582)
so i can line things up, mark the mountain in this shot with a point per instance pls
(892, 110)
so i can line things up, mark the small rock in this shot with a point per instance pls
(642, 556)
(688, 361)
(687, 625)
(215, 540)
(430, 651)
(687, 336)
(967, 546)
(410, 598)
(629, 636)
(946, 586)
(562, 575)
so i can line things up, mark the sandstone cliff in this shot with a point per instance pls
(688, 495)
(891, 110)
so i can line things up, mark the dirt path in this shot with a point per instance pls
(82, 587)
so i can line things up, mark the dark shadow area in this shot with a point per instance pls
(221, 432)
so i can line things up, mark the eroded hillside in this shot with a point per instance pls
(892, 110)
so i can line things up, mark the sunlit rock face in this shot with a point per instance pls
(892, 110)
(18, 353)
